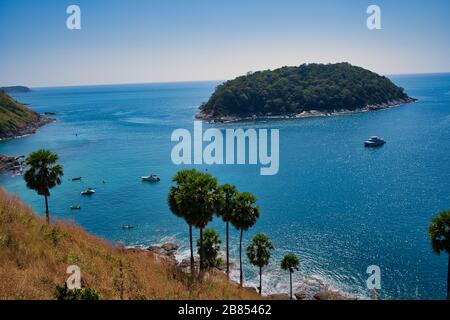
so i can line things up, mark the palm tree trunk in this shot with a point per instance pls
(260, 280)
(228, 253)
(241, 276)
(47, 213)
(202, 254)
(290, 284)
(192, 250)
(448, 278)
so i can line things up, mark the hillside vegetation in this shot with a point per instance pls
(293, 90)
(16, 119)
(14, 116)
(34, 257)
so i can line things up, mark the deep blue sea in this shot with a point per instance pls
(338, 206)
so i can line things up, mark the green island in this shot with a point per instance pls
(304, 91)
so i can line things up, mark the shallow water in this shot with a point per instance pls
(338, 206)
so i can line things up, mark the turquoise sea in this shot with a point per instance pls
(338, 206)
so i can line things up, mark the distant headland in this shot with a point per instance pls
(15, 89)
(299, 92)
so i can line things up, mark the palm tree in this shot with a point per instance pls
(439, 232)
(290, 263)
(180, 204)
(193, 199)
(202, 188)
(258, 253)
(43, 174)
(245, 215)
(226, 202)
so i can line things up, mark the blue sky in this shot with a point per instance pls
(131, 41)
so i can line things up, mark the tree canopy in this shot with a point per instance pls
(292, 90)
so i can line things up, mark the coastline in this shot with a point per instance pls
(305, 114)
(29, 129)
(14, 164)
(309, 288)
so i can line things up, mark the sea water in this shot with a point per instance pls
(337, 205)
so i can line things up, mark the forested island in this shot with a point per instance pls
(304, 91)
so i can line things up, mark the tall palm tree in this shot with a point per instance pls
(245, 216)
(258, 253)
(290, 263)
(179, 201)
(226, 203)
(193, 199)
(439, 232)
(43, 174)
(202, 188)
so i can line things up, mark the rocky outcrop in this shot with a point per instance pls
(14, 165)
(329, 295)
(304, 114)
(301, 295)
(166, 250)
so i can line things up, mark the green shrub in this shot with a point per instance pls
(211, 247)
(64, 293)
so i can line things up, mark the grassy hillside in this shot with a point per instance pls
(34, 257)
(13, 116)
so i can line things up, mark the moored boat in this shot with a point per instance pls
(374, 142)
(151, 178)
(88, 192)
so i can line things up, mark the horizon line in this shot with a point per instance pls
(186, 81)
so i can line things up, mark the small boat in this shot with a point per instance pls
(88, 192)
(76, 179)
(374, 142)
(75, 207)
(151, 178)
(128, 226)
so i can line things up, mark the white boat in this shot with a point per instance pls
(374, 141)
(151, 178)
(88, 192)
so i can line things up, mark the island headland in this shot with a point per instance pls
(299, 92)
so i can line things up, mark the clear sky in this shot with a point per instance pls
(131, 41)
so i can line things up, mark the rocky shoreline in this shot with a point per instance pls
(30, 128)
(305, 114)
(310, 289)
(15, 165)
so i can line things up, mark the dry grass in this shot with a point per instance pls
(34, 257)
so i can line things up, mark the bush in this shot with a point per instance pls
(211, 247)
(64, 293)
